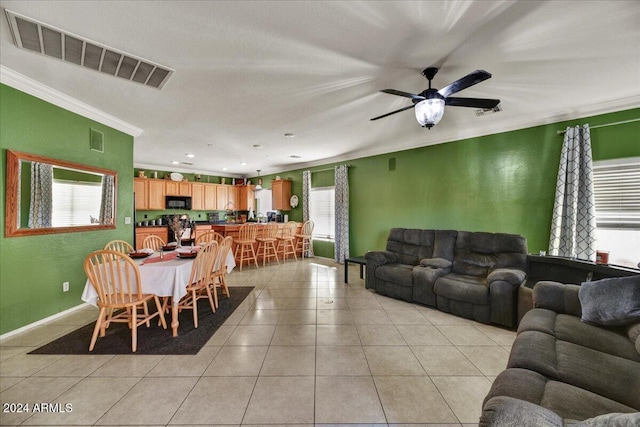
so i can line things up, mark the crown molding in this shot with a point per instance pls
(39, 90)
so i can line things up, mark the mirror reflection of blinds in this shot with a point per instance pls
(74, 202)
(322, 212)
(617, 193)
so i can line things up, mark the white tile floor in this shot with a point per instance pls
(304, 348)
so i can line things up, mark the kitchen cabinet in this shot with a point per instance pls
(142, 232)
(149, 193)
(140, 191)
(281, 194)
(221, 197)
(197, 196)
(246, 198)
(209, 197)
(178, 188)
(232, 197)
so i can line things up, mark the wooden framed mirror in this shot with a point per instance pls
(47, 196)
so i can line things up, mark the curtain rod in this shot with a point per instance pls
(327, 169)
(560, 132)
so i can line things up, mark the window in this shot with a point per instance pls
(75, 202)
(322, 212)
(617, 195)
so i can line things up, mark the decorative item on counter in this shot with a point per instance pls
(233, 181)
(141, 174)
(198, 177)
(176, 226)
(155, 175)
(251, 212)
(602, 257)
(278, 178)
(223, 180)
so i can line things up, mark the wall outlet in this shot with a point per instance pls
(127, 220)
(65, 287)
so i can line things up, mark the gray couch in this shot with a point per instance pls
(473, 275)
(564, 371)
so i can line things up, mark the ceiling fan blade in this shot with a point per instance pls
(463, 83)
(471, 102)
(400, 93)
(393, 112)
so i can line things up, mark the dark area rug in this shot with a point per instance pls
(153, 340)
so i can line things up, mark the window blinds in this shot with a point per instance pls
(617, 193)
(322, 212)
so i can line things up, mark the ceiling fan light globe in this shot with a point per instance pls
(429, 112)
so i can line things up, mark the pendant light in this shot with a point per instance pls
(259, 186)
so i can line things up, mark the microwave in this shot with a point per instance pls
(177, 202)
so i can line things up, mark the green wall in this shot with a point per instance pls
(497, 183)
(33, 268)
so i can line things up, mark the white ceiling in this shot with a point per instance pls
(246, 73)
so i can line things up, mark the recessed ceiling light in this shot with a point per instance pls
(289, 135)
(243, 163)
(224, 169)
(175, 162)
(294, 157)
(190, 155)
(257, 146)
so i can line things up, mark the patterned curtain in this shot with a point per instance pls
(342, 213)
(106, 204)
(306, 191)
(573, 225)
(40, 208)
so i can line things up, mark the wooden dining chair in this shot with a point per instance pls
(303, 240)
(199, 280)
(209, 236)
(119, 246)
(286, 241)
(153, 242)
(245, 245)
(267, 243)
(219, 272)
(116, 280)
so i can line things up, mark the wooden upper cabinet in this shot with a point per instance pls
(197, 196)
(246, 198)
(149, 193)
(209, 197)
(171, 188)
(281, 194)
(232, 197)
(184, 188)
(155, 194)
(221, 197)
(140, 190)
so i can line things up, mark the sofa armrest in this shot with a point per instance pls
(381, 257)
(509, 275)
(509, 411)
(558, 297)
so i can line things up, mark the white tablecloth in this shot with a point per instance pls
(164, 278)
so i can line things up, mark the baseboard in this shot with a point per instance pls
(43, 321)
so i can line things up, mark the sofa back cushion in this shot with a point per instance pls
(477, 254)
(411, 245)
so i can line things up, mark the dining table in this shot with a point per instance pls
(162, 273)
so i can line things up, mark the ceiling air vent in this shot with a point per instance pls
(42, 38)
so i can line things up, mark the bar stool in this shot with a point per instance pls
(244, 245)
(303, 240)
(267, 243)
(285, 241)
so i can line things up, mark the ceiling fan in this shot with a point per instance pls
(429, 104)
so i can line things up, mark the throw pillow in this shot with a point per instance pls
(611, 302)
(435, 262)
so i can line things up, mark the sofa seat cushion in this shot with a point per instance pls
(596, 371)
(566, 400)
(461, 287)
(569, 328)
(400, 274)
